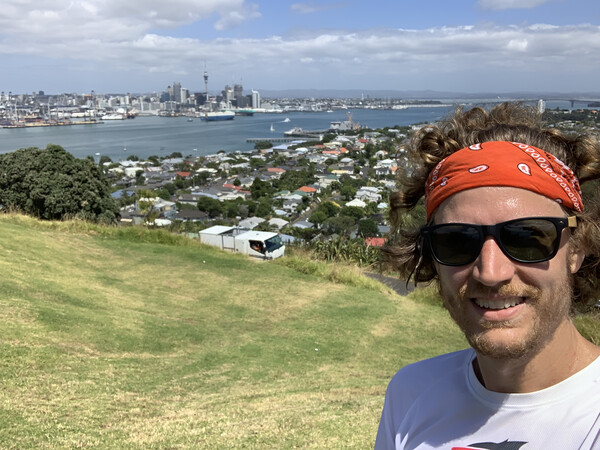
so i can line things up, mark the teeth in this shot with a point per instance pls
(498, 304)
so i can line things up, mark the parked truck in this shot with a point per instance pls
(258, 244)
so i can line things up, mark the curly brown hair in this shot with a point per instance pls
(505, 122)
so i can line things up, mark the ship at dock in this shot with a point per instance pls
(344, 125)
(217, 116)
(334, 127)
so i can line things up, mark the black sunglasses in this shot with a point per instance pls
(526, 240)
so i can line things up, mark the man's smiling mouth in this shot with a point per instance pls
(497, 304)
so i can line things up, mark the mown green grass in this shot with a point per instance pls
(120, 338)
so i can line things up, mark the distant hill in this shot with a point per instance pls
(426, 94)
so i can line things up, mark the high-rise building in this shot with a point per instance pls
(238, 91)
(255, 99)
(227, 94)
(166, 96)
(177, 92)
(185, 95)
(541, 106)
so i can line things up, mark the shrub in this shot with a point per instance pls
(52, 184)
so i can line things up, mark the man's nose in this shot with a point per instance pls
(492, 267)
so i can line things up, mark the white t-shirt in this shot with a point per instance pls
(439, 404)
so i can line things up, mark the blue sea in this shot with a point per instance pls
(161, 136)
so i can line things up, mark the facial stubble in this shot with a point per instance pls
(551, 307)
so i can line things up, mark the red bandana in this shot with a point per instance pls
(502, 163)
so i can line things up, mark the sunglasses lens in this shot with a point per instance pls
(529, 240)
(455, 245)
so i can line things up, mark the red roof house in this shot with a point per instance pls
(375, 241)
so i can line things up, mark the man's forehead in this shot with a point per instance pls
(495, 202)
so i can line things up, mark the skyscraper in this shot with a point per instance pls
(177, 91)
(541, 106)
(238, 91)
(255, 99)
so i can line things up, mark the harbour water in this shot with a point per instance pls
(161, 136)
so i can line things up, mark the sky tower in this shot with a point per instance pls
(206, 86)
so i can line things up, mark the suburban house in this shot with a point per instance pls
(191, 215)
(275, 171)
(250, 222)
(368, 194)
(292, 203)
(325, 179)
(192, 199)
(277, 223)
(309, 190)
(357, 202)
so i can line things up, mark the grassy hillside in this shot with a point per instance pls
(112, 340)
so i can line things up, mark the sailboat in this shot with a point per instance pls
(272, 128)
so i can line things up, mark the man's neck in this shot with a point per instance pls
(566, 354)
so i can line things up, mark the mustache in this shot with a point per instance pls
(475, 289)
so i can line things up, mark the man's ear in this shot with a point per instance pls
(576, 258)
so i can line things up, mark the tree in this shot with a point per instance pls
(201, 178)
(163, 193)
(352, 211)
(369, 150)
(264, 207)
(255, 163)
(338, 225)
(140, 180)
(261, 145)
(104, 159)
(348, 192)
(211, 206)
(171, 188)
(318, 217)
(367, 228)
(294, 179)
(230, 209)
(52, 184)
(260, 189)
(330, 209)
(144, 199)
(154, 160)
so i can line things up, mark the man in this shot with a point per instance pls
(512, 248)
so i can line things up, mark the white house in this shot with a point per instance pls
(251, 222)
(368, 194)
(277, 223)
(357, 202)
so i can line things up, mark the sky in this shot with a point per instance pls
(138, 46)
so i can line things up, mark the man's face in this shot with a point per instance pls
(505, 308)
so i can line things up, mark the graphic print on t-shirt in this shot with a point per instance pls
(506, 445)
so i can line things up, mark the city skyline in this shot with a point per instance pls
(141, 46)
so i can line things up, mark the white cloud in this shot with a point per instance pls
(310, 8)
(236, 17)
(116, 19)
(498, 5)
(98, 40)
(519, 45)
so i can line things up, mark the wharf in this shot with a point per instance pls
(49, 124)
(274, 139)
